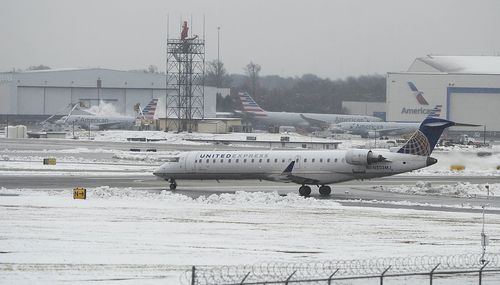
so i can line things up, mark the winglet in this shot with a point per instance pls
(288, 169)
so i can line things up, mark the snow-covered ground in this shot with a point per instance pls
(460, 189)
(127, 236)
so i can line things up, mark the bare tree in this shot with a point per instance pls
(216, 74)
(252, 71)
(152, 69)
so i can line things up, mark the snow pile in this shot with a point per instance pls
(263, 199)
(461, 189)
(240, 198)
(148, 156)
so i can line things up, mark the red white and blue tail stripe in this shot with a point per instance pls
(150, 109)
(250, 106)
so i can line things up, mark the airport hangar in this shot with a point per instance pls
(33, 96)
(463, 89)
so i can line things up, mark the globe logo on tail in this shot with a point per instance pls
(418, 144)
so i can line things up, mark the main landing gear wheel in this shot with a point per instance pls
(305, 191)
(325, 190)
(173, 184)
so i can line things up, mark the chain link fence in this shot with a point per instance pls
(326, 272)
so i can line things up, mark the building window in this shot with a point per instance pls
(283, 160)
(245, 160)
(260, 160)
(222, 160)
(237, 160)
(229, 161)
(268, 160)
(314, 159)
(214, 161)
(320, 160)
(275, 160)
(253, 160)
(305, 159)
(335, 160)
(328, 160)
(208, 160)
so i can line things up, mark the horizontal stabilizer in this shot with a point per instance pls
(466, 125)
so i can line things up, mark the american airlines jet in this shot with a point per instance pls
(301, 120)
(99, 122)
(308, 167)
(377, 129)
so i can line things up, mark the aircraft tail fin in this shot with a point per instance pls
(149, 111)
(423, 141)
(249, 104)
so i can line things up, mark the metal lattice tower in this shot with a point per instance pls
(185, 86)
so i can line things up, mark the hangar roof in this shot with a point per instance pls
(457, 64)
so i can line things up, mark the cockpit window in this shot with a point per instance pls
(172, 159)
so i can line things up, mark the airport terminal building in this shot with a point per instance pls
(463, 89)
(35, 95)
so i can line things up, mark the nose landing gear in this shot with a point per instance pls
(173, 184)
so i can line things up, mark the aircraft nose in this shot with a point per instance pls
(159, 172)
(431, 161)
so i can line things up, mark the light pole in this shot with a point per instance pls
(99, 84)
(218, 57)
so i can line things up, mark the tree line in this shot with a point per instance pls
(307, 93)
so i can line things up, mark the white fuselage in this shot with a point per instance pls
(92, 121)
(296, 120)
(310, 167)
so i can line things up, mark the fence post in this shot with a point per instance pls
(289, 277)
(481, 272)
(382, 275)
(432, 272)
(244, 278)
(331, 276)
(193, 275)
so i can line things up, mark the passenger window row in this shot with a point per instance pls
(237, 160)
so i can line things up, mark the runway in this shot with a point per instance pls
(352, 193)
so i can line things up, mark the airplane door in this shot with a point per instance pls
(297, 162)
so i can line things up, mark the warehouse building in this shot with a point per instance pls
(463, 89)
(35, 95)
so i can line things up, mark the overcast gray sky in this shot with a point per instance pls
(330, 38)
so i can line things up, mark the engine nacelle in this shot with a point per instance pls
(362, 157)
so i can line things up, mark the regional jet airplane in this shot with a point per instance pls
(308, 167)
(99, 122)
(300, 120)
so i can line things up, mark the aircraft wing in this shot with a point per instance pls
(287, 175)
(315, 122)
